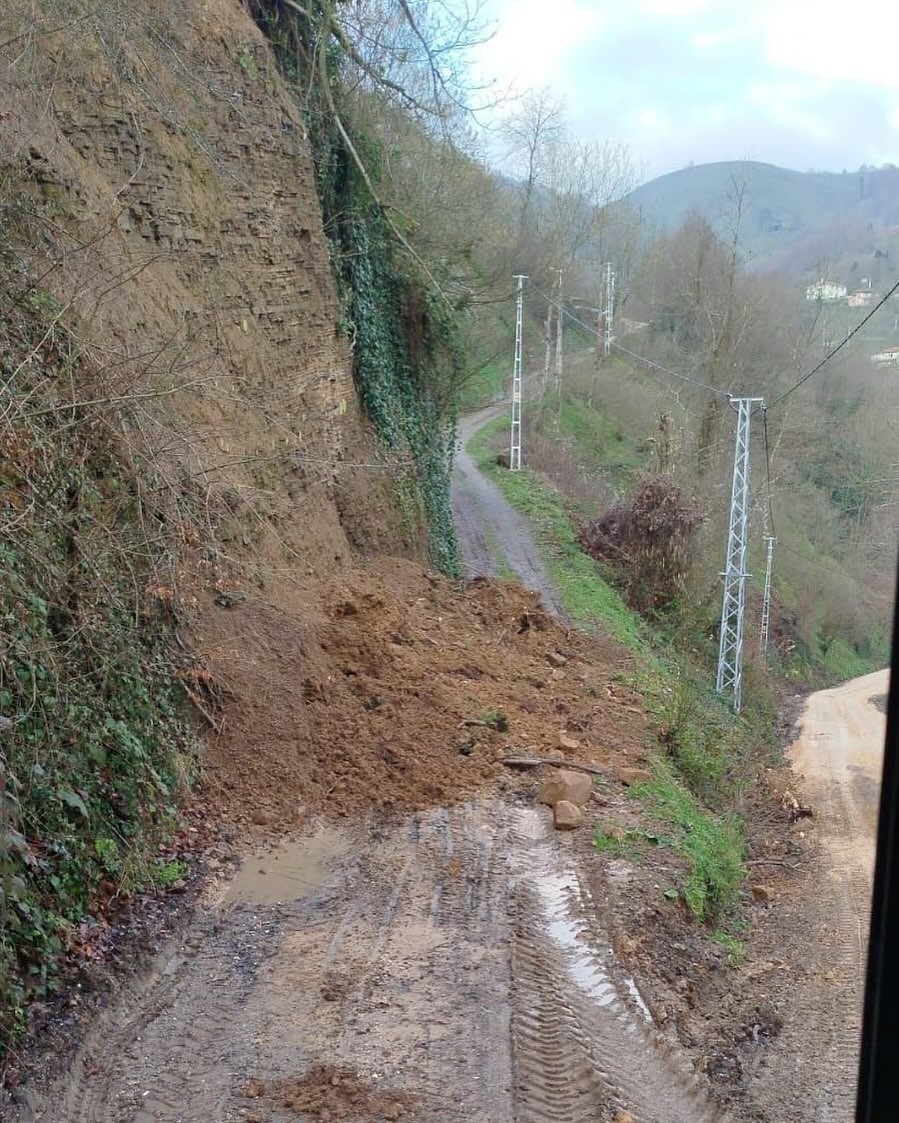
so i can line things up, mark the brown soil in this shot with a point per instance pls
(329, 1092)
(394, 688)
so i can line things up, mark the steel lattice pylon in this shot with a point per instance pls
(730, 651)
(515, 436)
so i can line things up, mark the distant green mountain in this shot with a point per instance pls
(779, 208)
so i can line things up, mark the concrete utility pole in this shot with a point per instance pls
(730, 651)
(515, 436)
(608, 304)
(557, 379)
(770, 540)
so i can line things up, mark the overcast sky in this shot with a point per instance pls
(791, 82)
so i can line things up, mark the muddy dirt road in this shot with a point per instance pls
(809, 1073)
(488, 529)
(450, 970)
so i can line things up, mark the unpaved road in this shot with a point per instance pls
(454, 959)
(454, 963)
(809, 1074)
(488, 529)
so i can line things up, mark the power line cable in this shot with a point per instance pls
(768, 472)
(836, 349)
(637, 358)
(674, 374)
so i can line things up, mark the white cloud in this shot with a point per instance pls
(835, 43)
(533, 39)
(800, 81)
(786, 103)
(676, 9)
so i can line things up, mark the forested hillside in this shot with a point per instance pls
(783, 216)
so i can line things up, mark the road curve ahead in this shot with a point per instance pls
(811, 1073)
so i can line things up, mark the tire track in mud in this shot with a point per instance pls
(583, 1043)
(117, 1077)
(455, 958)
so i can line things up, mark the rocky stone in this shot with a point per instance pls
(761, 893)
(575, 787)
(628, 776)
(261, 818)
(556, 658)
(567, 816)
(567, 742)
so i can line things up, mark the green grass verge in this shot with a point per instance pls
(599, 439)
(714, 845)
(587, 598)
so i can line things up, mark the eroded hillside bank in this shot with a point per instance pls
(181, 435)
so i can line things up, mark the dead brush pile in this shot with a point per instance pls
(647, 542)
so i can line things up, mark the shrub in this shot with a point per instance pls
(648, 543)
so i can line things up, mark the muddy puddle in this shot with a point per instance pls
(288, 872)
(587, 965)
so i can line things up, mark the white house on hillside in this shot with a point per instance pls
(889, 357)
(826, 290)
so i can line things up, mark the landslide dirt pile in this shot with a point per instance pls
(394, 688)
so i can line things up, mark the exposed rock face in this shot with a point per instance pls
(188, 252)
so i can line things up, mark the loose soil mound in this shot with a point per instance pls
(394, 688)
(329, 1092)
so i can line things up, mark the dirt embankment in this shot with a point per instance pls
(161, 173)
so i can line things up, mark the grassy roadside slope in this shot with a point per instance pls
(703, 759)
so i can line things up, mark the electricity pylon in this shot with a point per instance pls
(515, 435)
(770, 540)
(730, 650)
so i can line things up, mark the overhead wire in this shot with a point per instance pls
(650, 363)
(835, 350)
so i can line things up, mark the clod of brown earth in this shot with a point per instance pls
(302, 666)
(327, 1092)
(762, 893)
(794, 808)
(628, 776)
(567, 816)
(574, 787)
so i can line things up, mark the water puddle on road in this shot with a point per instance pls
(289, 871)
(584, 962)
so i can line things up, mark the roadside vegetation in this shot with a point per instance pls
(707, 760)
(96, 749)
